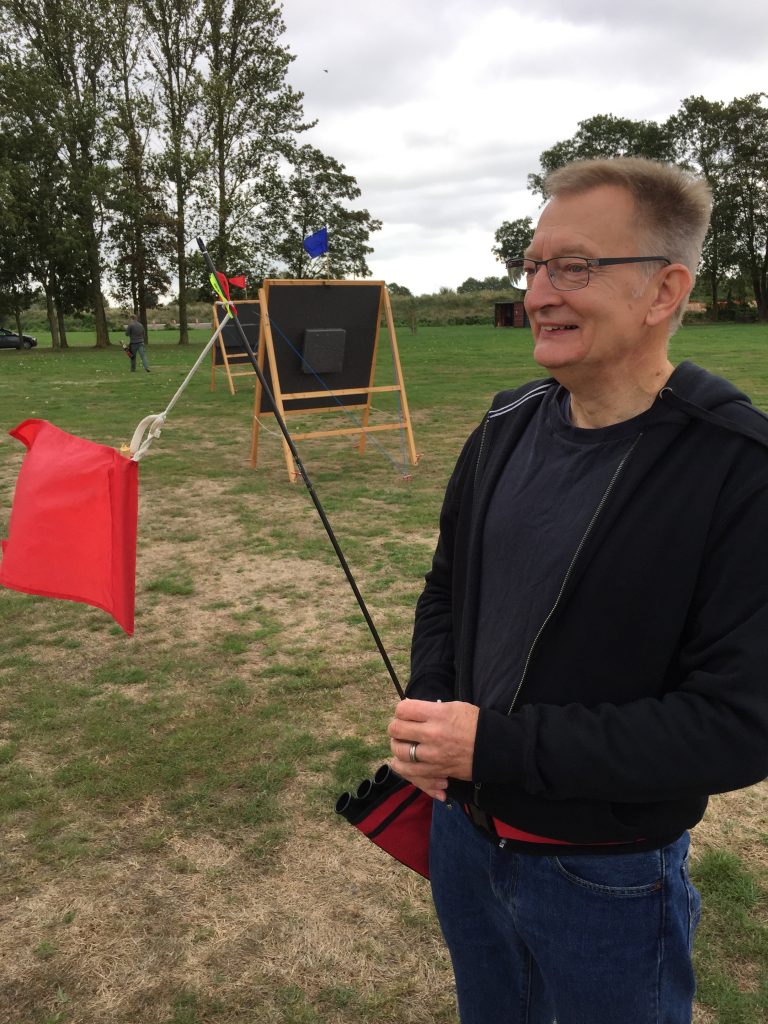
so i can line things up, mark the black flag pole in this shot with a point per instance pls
(305, 477)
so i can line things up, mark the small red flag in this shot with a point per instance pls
(72, 533)
(222, 279)
(239, 281)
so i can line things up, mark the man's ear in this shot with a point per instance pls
(671, 286)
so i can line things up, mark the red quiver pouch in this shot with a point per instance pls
(393, 814)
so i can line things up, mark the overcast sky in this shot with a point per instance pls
(440, 109)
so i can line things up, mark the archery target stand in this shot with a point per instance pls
(317, 347)
(229, 353)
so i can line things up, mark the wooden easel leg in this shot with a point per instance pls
(399, 374)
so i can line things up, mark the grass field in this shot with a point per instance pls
(169, 852)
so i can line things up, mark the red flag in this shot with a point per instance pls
(222, 279)
(72, 533)
(239, 281)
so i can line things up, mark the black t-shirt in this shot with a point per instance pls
(541, 508)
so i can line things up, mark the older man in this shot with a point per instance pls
(590, 650)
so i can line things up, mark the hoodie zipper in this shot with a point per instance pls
(474, 506)
(479, 459)
(569, 571)
(601, 504)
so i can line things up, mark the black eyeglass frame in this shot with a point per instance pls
(519, 262)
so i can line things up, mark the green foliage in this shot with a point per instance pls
(315, 194)
(604, 135)
(65, 51)
(488, 284)
(121, 123)
(726, 143)
(465, 307)
(255, 118)
(513, 238)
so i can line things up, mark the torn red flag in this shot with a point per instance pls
(72, 533)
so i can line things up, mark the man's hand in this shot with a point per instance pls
(444, 735)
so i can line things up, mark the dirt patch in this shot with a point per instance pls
(738, 821)
(123, 934)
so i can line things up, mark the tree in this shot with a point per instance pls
(315, 195)
(488, 284)
(698, 133)
(605, 136)
(69, 46)
(254, 118)
(398, 289)
(16, 293)
(748, 144)
(470, 285)
(140, 232)
(175, 46)
(512, 238)
(728, 144)
(37, 211)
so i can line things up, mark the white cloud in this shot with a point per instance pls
(441, 109)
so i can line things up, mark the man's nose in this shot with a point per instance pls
(541, 292)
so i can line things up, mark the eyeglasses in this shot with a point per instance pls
(568, 273)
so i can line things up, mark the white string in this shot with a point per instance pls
(152, 425)
(263, 426)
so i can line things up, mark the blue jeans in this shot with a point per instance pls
(578, 938)
(140, 349)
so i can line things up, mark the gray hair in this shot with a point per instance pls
(673, 205)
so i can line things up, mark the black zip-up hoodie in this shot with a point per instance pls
(646, 688)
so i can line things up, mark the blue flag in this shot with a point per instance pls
(317, 244)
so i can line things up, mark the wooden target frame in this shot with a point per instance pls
(317, 347)
(229, 352)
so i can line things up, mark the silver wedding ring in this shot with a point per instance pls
(412, 753)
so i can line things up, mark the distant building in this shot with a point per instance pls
(511, 314)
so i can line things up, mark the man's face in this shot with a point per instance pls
(602, 325)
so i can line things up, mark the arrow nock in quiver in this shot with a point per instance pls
(394, 814)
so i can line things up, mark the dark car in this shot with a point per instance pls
(10, 340)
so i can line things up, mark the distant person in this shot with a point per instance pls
(136, 343)
(590, 649)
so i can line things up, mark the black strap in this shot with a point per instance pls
(483, 821)
(402, 806)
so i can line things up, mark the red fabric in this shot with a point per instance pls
(222, 279)
(239, 281)
(505, 831)
(510, 832)
(72, 533)
(400, 826)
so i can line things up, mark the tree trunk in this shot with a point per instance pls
(62, 329)
(141, 282)
(97, 299)
(761, 299)
(714, 310)
(50, 310)
(99, 313)
(181, 259)
(183, 328)
(223, 212)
